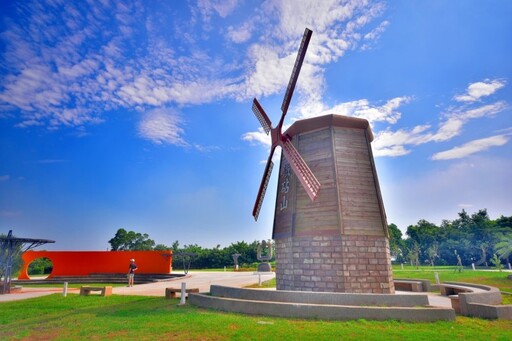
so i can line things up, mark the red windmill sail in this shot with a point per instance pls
(297, 163)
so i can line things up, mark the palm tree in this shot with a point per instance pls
(504, 247)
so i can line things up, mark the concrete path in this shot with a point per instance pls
(33, 292)
(200, 280)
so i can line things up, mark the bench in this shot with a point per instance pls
(104, 291)
(171, 292)
(452, 289)
(408, 285)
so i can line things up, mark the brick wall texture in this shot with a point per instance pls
(352, 264)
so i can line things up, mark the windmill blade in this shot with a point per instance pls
(263, 186)
(261, 115)
(296, 70)
(301, 170)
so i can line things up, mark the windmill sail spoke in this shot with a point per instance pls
(296, 70)
(297, 163)
(261, 115)
(301, 170)
(263, 186)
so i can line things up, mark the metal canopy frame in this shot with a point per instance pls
(9, 248)
(187, 258)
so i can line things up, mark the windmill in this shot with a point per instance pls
(297, 163)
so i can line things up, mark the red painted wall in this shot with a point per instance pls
(83, 263)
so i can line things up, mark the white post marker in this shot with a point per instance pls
(473, 266)
(183, 293)
(259, 280)
(436, 275)
(402, 266)
(65, 290)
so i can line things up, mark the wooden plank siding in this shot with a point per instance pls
(360, 206)
(320, 215)
(347, 203)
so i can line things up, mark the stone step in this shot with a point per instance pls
(326, 306)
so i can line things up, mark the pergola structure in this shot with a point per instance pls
(11, 247)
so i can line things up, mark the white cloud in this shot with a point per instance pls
(459, 117)
(206, 149)
(471, 147)
(375, 34)
(477, 90)
(267, 77)
(73, 74)
(394, 143)
(4, 178)
(223, 8)
(162, 126)
(362, 109)
(390, 151)
(242, 33)
(258, 136)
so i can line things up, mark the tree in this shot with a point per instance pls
(175, 246)
(413, 253)
(433, 253)
(132, 241)
(504, 247)
(40, 266)
(495, 260)
(425, 234)
(161, 247)
(396, 243)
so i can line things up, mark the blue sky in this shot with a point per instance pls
(137, 114)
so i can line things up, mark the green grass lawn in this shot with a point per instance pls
(77, 317)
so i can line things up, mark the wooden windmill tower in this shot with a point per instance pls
(330, 226)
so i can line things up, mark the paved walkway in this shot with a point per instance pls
(200, 280)
(33, 292)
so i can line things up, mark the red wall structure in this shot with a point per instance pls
(84, 263)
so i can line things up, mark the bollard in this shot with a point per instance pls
(183, 293)
(509, 267)
(436, 275)
(473, 266)
(259, 280)
(224, 269)
(65, 290)
(402, 266)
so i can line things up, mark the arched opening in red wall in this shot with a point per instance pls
(40, 268)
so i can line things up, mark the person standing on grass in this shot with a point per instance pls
(131, 272)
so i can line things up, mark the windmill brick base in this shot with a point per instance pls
(339, 242)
